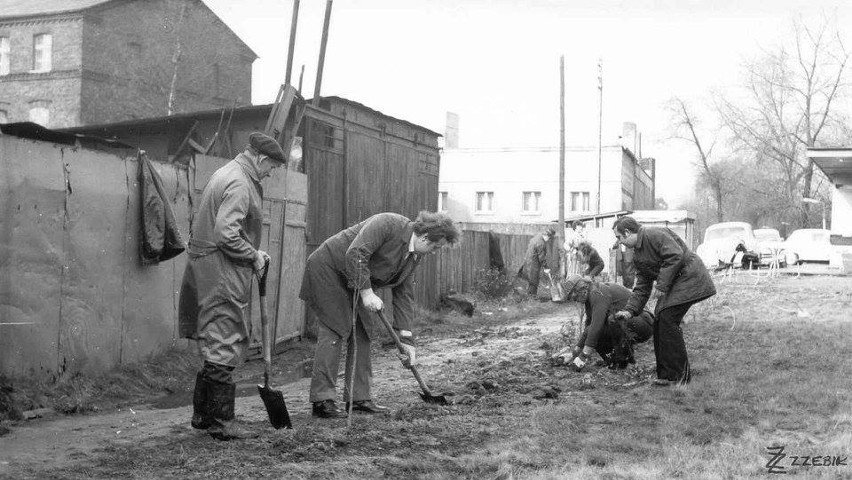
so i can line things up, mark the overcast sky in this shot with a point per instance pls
(496, 62)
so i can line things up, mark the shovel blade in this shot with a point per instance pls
(273, 400)
(436, 399)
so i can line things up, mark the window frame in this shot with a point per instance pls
(486, 194)
(5, 55)
(46, 51)
(533, 195)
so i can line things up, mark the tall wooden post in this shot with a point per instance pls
(561, 238)
(322, 52)
(600, 131)
(292, 45)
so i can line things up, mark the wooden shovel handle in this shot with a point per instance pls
(265, 326)
(402, 351)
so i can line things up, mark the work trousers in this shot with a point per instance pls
(532, 270)
(669, 346)
(327, 362)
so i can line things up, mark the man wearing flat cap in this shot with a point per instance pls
(536, 259)
(223, 255)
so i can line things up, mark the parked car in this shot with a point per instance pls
(808, 245)
(721, 240)
(770, 247)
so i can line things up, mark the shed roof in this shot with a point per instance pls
(29, 8)
(836, 163)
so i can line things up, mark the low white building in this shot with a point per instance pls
(836, 163)
(521, 185)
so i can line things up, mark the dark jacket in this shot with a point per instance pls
(373, 253)
(160, 237)
(537, 251)
(661, 255)
(596, 264)
(603, 299)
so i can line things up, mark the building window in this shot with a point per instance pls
(442, 201)
(484, 202)
(40, 112)
(42, 52)
(531, 202)
(4, 116)
(579, 201)
(4, 55)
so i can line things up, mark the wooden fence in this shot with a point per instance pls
(459, 266)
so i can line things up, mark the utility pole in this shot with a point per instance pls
(600, 128)
(561, 150)
(292, 44)
(322, 52)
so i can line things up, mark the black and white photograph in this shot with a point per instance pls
(425, 239)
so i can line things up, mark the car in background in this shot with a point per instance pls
(808, 245)
(721, 240)
(770, 247)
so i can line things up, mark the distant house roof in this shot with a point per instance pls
(30, 8)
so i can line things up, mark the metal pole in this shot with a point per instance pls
(600, 130)
(301, 76)
(322, 52)
(562, 146)
(292, 45)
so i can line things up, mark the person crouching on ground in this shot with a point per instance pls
(383, 251)
(214, 299)
(612, 340)
(536, 259)
(681, 281)
(592, 259)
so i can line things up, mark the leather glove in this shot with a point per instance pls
(623, 315)
(260, 260)
(371, 301)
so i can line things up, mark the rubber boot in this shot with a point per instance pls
(201, 403)
(223, 425)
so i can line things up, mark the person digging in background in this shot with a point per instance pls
(383, 251)
(592, 259)
(214, 299)
(612, 340)
(536, 259)
(681, 281)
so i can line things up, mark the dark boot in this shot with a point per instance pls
(201, 403)
(327, 409)
(223, 425)
(368, 406)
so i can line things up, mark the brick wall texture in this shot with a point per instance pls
(115, 63)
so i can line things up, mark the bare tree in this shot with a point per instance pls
(788, 104)
(684, 126)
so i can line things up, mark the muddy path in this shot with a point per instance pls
(59, 442)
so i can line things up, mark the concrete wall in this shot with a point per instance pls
(60, 87)
(510, 172)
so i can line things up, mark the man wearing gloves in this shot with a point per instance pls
(223, 257)
(612, 340)
(681, 281)
(383, 251)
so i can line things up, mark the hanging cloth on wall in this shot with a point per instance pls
(160, 238)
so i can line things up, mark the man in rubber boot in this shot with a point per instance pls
(536, 259)
(612, 340)
(223, 258)
(660, 256)
(383, 251)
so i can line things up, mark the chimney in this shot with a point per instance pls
(451, 133)
(628, 137)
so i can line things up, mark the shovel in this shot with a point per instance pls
(426, 395)
(273, 400)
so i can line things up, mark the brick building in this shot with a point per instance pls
(65, 63)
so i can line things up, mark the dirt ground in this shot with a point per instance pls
(514, 414)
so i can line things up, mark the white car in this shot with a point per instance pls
(808, 245)
(770, 246)
(721, 240)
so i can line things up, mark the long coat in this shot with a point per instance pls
(681, 277)
(603, 300)
(226, 234)
(371, 254)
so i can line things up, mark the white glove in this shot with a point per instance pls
(371, 301)
(578, 363)
(410, 357)
(260, 260)
(623, 315)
